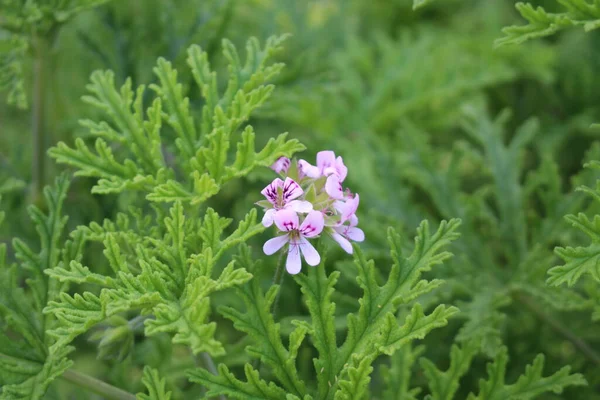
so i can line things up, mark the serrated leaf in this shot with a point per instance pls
(155, 385)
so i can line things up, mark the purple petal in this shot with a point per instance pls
(333, 187)
(267, 220)
(281, 165)
(286, 220)
(272, 245)
(291, 190)
(293, 265)
(312, 224)
(270, 192)
(325, 160)
(309, 170)
(348, 208)
(355, 234)
(341, 169)
(343, 242)
(300, 206)
(310, 254)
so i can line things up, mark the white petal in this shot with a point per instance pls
(293, 265)
(309, 170)
(355, 234)
(310, 254)
(286, 220)
(272, 245)
(343, 242)
(333, 187)
(268, 217)
(300, 206)
(281, 165)
(312, 224)
(291, 190)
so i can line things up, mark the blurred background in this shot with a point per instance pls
(431, 119)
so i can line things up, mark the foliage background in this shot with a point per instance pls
(433, 121)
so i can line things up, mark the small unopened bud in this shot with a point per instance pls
(281, 165)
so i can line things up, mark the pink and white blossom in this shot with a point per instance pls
(296, 236)
(281, 165)
(344, 233)
(281, 196)
(331, 167)
(347, 209)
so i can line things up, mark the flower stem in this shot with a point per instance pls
(97, 386)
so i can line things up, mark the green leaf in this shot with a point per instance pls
(397, 377)
(542, 23)
(444, 384)
(227, 384)
(578, 260)
(529, 385)
(155, 385)
(356, 386)
(13, 50)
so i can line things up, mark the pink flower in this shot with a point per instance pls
(347, 208)
(281, 165)
(331, 167)
(280, 196)
(342, 233)
(296, 236)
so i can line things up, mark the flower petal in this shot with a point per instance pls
(333, 187)
(300, 206)
(267, 220)
(325, 160)
(310, 254)
(343, 242)
(341, 169)
(286, 220)
(312, 224)
(347, 208)
(272, 245)
(355, 234)
(291, 190)
(281, 165)
(293, 264)
(309, 170)
(270, 192)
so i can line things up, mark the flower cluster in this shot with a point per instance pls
(308, 201)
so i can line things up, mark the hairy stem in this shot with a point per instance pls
(97, 386)
(578, 342)
(40, 48)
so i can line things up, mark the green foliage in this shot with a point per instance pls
(30, 358)
(201, 151)
(21, 23)
(343, 372)
(155, 385)
(542, 23)
(529, 385)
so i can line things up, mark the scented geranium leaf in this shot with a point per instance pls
(77, 273)
(355, 387)
(246, 159)
(317, 289)
(227, 384)
(157, 388)
(178, 114)
(585, 13)
(416, 326)
(578, 260)
(55, 364)
(529, 385)
(374, 328)
(444, 384)
(204, 187)
(397, 377)
(257, 321)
